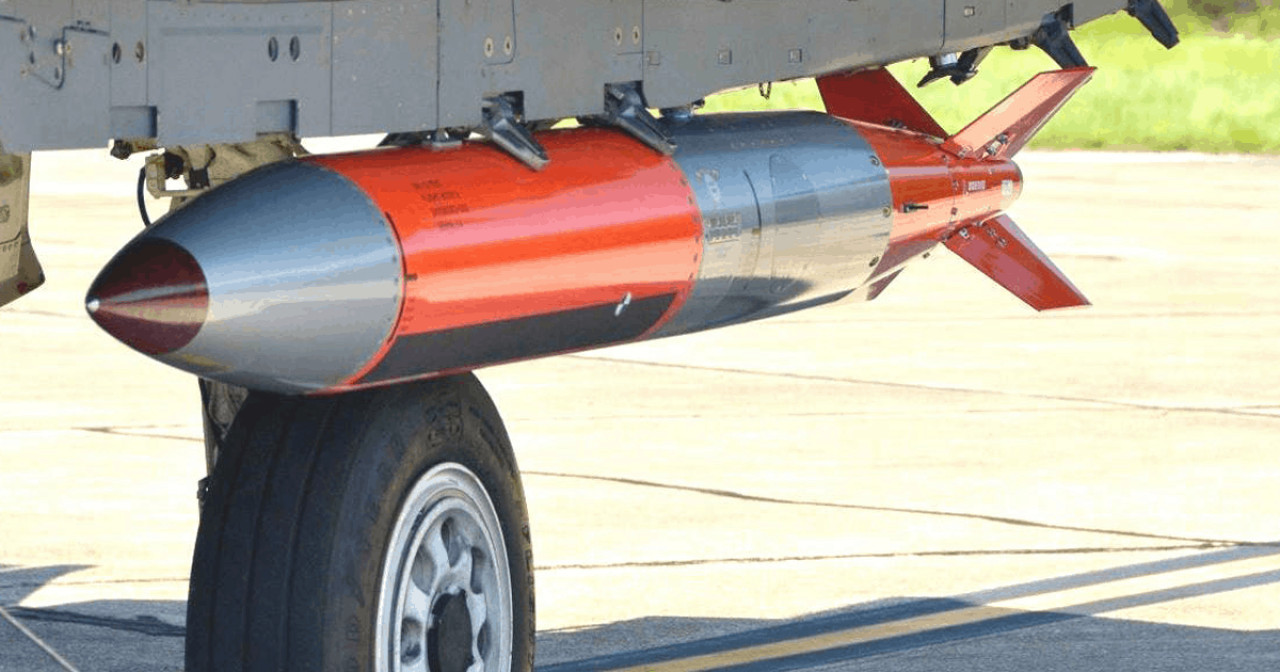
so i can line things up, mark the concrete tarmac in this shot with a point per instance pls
(940, 479)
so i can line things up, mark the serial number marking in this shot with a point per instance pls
(451, 209)
(434, 196)
(444, 202)
(722, 226)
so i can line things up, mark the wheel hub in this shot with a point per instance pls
(449, 639)
(445, 597)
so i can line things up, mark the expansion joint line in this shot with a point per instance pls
(1002, 520)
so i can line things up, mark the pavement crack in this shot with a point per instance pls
(1092, 317)
(1084, 550)
(42, 313)
(134, 431)
(1003, 520)
(932, 388)
(700, 417)
(92, 582)
(141, 624)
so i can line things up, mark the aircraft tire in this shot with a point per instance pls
(377, 531)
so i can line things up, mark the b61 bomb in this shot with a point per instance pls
(338, 272)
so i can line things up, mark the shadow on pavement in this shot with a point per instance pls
(998, 629)
(978, 632)
(16, 583)
(94, 636)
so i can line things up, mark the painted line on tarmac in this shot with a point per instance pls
(57, 658)
(923, 623)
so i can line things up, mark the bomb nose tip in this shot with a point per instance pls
(152, 297)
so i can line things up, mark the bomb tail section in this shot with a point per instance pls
(1004, 130)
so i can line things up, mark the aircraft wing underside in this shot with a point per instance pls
(77, 73)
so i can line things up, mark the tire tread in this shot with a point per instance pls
(281, 578)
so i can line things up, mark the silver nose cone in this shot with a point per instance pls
(152, 297)
(303, 276)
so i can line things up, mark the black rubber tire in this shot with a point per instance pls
(300, 507)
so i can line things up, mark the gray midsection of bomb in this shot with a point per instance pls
(304, 277)
(793, 212)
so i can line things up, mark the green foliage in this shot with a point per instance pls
(1212, 93)
(1252, 18)
(1258, 18)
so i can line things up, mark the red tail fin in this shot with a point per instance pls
(1000, 249)
(1009, 126)
(874, 96)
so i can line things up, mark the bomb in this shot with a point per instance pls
(337, 272)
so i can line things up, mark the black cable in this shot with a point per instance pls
(142, 203)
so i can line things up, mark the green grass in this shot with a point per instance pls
(1215, 92)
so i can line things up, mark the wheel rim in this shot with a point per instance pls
(445, 591)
